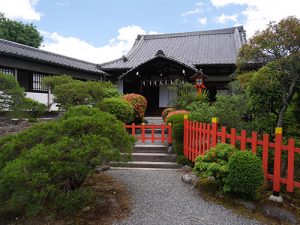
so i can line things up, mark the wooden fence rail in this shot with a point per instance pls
(151, 127)
(200, 137)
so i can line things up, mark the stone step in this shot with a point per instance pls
(145, 164)
(144, 148)
(153, 157)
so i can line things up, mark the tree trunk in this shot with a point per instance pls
(287, 100)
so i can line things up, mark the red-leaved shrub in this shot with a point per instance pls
(139, 104)
(176, 112)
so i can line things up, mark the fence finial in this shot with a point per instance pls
(185, 116)
(214, 119)
(278, 130)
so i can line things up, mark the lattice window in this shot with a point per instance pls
(6, 70)
(37, 84)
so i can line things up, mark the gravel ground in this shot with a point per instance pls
(161, 198)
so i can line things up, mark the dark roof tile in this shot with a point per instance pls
(196, 48)
(24, 51)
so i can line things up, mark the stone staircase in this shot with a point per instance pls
(151, 155)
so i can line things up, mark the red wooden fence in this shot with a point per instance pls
(152, 127)
(199, 137)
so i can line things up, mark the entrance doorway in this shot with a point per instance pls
(151, 93)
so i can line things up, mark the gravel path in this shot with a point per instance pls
(161, 198)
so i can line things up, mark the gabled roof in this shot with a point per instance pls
(160, 55)
(8, 48)
(196, 48)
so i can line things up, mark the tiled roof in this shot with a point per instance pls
(162, 56)
(195, 48)
(8, 48)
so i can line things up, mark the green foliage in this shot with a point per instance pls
(177, 131)
(12, 95)
(19, 32)
(276, 47)
(69, 92)
(264, 90)
(292, 118)
(230, 111)
(186, 94)
(44, 166)
(30, 108)
(139, 104)
(215, 162)
(202, 112)
(245, 174)
(119, 107)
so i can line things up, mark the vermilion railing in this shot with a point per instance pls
(148, 132)
(200, 137)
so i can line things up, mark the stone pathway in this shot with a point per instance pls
(161, 198)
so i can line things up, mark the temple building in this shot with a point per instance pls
(149, 68)
(29, 65)
(156, 61)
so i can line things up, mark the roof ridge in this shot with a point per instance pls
(192, 33)
(44, 51)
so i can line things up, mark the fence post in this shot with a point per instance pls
(277, 161)
(170, 134)
(291, 162)
(143, 132)
(185, 135)
(133, 129)
(214, 131)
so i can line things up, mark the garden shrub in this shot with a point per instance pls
(31, 109)
(139, 104)
(182, 112)
(119, 107)
(245, 174)
(166, 112)
(186, 94)
(215, 162)
(11, 94)
(176, 119)
(69, 92)
(44, 166)
(201, 112)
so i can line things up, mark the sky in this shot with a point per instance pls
(102, 30)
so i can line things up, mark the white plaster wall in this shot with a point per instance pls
(165, 96)
(42, 98)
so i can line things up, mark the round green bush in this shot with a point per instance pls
(119, 107)
(215, 162)
(44, 166)
(245, 174)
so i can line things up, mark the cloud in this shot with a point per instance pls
(63, 3)
(202, 20)
(225, 18)
(80, 49)
(200, 8)
(259, 13)
(20, 9)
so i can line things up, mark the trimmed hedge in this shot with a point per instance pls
(119, 107)
(44, 166)
(246, 174)
(215, 162)
(176, 119)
